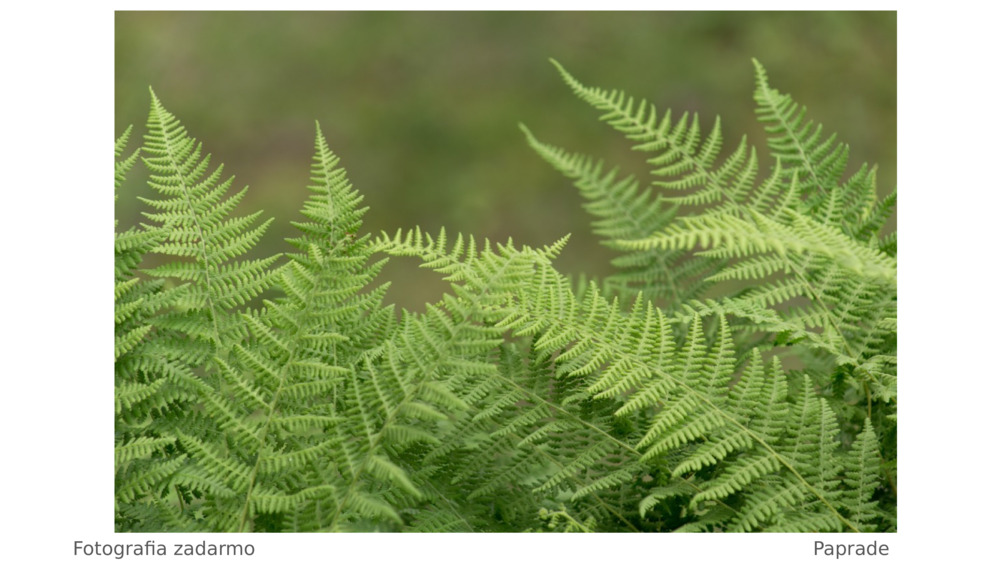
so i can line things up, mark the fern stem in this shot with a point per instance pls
(451, 506)
(373, 443)
(831, 320)
(203, 262)
(804, 159)
(624, 445)
(180, 498)
(265, 429)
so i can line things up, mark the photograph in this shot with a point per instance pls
(463, 272)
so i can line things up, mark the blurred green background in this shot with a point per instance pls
(423, 107)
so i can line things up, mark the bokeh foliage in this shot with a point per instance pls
(423, 107)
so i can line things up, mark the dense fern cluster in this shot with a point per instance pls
(738, 372)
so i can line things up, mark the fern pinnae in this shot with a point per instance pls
(821, 163)
(739, 237)
(333, 206)
(327, 278)
(288, 353)
(464, 268)
(796, 142)
(623, 211)
(684, 155)
(193, 212)
(863, 467)
(714, 416)
(147, 382)
(774, 222)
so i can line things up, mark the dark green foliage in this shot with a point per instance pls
(519, 401)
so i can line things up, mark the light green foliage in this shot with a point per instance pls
(737, 374)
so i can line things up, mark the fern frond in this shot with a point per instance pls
(738, 237)
(686, 160)
(624, 212)
(333, 207)
(797, 142)
(200, 230)
(862, 475)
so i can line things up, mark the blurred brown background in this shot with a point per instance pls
(423, 107)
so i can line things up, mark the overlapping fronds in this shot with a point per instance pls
(521, 400)
(728, 226)
(774, 243)
(146, 384)
(524, 440)
(624, 211)
(536, 438)
(294, 393)
(803, 235)
(682, 156)
(802, 254)
(695, 410)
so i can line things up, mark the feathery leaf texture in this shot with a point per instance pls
(282, 394)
